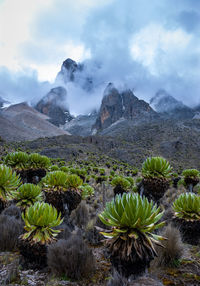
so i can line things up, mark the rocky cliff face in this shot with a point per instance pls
(53, 105)
(116, 105)
(72, 71)
(169, 107)
(68, 70)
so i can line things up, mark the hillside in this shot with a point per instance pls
(21, 122)
(177, 141)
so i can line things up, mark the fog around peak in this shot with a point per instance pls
(138, 44)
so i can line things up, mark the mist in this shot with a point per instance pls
(17, 87)
(138, 44)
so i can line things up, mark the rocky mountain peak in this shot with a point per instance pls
(116, 105)
(170, 107)
(68, 70)
(164, 102)
(54, 105)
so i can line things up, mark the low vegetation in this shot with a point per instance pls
(106, 215)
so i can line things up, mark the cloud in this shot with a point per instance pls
(144, 45)
(21, 86)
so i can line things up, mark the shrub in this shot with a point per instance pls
(12, 211)
(40, 219)
(81, 262)
(112, 173)
(73, 182)
(10, 229)
(17, 160)
(156, 167)
(54, 168)
(133, 220)
(102, 171)
(9, 181)
(134, 172)
(138, 180)
(65, 169)
(131, 180)
(122, 182)
(173, 248)
(26, 195)
(80, 215)
(86, 191)
(187, 206)
(192, 173)
(55, 181)
(80, 172)
(38, 161)
(191, 178)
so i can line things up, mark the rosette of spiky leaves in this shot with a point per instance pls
(79, 172)
(54, 168)
(86, 191)
(37, 161)
(55, 181)
(191, 173)
(65, 169)
(187, 207)
(17, 160)
(156, 167)
(74, 181)
(40, 220)
(122, 182)
(9, 181)
(26, 195)
(131, 180)
(133, 219)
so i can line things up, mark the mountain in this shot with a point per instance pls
(169, 107)
(81, 125)
(21, 122)
(122, 105)
(79, 73)
(68, 70)
(3, 102)
(54, 106)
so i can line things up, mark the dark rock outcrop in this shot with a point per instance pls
(76, 72)
(122, 105)
(169, 107)
(68, 70)
(53, 105)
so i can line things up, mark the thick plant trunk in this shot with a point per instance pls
(127, 267)
(56, 199)
(34, 255)
(72, 199)
(118, 190)
(32, 176)
(155, 188)
(191, 183)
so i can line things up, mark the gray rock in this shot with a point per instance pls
(169, 107)
(54, 106)
(124, 105)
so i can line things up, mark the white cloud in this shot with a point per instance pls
(16, 31)
(15, 20)
(156, 47)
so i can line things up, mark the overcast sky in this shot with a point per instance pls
(145, 45)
